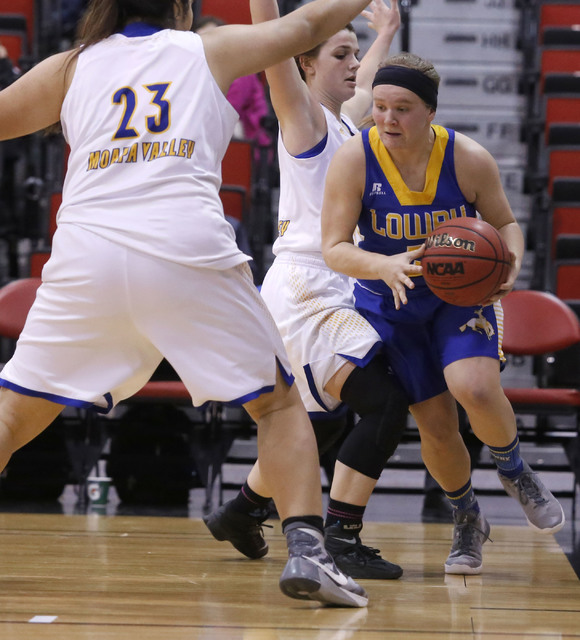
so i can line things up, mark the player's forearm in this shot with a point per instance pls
(327, 17)
(376, 54)
(514, 238)
(344, 257)
(263, 10)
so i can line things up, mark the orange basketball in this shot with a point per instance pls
(465, 261)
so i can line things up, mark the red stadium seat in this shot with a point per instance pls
(562, 109)
(537, 323)
(559, 14)
(563, 162)
(55, 202)
(24, 8)
(234, 200)
(567, 279)
(565, 220)
(15, 45)
(237, 165)
(558, 60)
(237, 178)
(16, 298)
(37, 261)
(231, 11)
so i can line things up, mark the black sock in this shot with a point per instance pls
(315, 522)
(349, 516)
(250, 502)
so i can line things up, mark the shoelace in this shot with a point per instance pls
(368, 552)
(530, 488)
(465, 531)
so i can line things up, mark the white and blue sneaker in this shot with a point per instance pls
(310, 573)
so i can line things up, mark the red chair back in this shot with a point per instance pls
(563, 163)
(564, 220)
(559, 14)
(232, 11)
(16, 298)
(537, 322)
(24, 8)
(237, 165)
(568, 279)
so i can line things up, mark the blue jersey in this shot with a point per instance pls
(425, 335)
(395, 219)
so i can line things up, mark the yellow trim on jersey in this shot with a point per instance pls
(404, 194)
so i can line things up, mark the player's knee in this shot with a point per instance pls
(368, 446)
(282, 398)
(474, 395)
(373, 390)
(376, 396)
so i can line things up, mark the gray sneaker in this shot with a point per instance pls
(543, 512)
(470, 532)
(310, 573)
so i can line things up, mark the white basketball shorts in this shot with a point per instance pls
(313, 307)
(105, 316)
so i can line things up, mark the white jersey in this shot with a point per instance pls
(137, 134)
(312, 305)
(299, 208)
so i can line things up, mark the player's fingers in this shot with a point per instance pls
(416, 253)
(396, 299)
(402, 295)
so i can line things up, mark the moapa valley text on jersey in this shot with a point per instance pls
(146, 151)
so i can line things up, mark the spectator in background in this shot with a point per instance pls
(8, 71)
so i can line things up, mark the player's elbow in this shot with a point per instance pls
(330, 253)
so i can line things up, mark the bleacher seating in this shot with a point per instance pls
(552, 133)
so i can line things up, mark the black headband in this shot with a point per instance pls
(412, 79)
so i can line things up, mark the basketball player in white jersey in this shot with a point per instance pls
(334, 352)
(144, 265)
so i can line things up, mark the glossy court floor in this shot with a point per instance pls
(155, 573)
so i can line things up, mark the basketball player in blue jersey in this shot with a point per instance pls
(144, 264)
(397, 181)
(331, 347)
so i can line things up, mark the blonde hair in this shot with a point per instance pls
(412, 61)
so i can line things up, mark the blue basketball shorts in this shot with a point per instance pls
(427, 334)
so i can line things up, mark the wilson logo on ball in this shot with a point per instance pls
(446, 240)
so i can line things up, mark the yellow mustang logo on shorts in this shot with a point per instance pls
(479, 324)
(282, 227)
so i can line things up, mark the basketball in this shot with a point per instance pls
(465, 261)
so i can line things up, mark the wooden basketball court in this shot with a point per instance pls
(159, 578)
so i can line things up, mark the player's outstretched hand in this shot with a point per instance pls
(382, 18)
